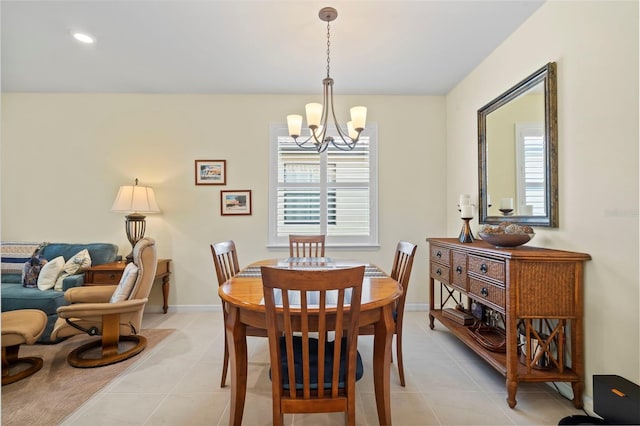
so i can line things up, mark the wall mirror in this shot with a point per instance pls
(517, 153)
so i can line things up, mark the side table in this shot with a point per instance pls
(110, 274)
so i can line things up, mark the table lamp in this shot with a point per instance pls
(135, 200)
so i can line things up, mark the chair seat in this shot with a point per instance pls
(313, 361)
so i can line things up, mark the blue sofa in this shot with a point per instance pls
(15, 296)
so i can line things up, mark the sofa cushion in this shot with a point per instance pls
(77, 263)
(14, 297)
(99, 252)
(15, 255)
(50, 273)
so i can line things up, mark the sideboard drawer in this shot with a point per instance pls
(440, 254)
(105, 277)
(459, 270)
(439, 272)
(487, 267)
(487, 293)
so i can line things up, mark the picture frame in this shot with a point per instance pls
(211, 172)
(235, 203)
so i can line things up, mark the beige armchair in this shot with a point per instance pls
(113, 312)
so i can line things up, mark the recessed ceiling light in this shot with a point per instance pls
(83, 38)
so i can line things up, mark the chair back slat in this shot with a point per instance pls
(401, 269)
(306, 245)
(225, 260)
(302, 308)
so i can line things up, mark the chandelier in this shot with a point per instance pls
(318, 114)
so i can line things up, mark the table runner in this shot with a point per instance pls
(371, 271)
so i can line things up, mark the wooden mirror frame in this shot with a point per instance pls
(547, 75)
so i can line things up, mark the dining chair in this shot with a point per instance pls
(401, 272)
(225, 260)
(309, 374)
(306, 245)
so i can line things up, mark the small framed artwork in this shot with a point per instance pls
(211, 172)
(235, 202)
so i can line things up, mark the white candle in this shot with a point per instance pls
(465, 200)
(506, 203)
(488, 200)
(466, 211)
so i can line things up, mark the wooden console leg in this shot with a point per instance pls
(577, 387)
(512, 387)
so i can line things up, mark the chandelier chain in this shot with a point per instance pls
(328, 47)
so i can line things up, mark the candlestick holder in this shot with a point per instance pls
(506, 212)
(466, 236)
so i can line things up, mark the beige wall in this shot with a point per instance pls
(595, 45)
(64, 157)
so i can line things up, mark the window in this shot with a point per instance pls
(530, 163)
(332, 193)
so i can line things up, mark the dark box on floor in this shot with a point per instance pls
(616, 400)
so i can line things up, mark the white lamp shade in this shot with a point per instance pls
(359, 117)
(135, 199)
(352, 132)
(314, 113)
(294, 122)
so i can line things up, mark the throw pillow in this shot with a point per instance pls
(32, 267)
(14, 255)
(49, 273)
(128, 280)
(76, 263)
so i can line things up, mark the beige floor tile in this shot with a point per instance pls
(193, 409)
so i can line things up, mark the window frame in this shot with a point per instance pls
(524, 131)
(273, 240)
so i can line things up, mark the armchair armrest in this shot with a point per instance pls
(96, 294)
(93, 310)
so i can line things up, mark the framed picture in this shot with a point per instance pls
(211, 172)
(235, 202)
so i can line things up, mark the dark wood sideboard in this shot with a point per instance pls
(536, 292)
(110, 274)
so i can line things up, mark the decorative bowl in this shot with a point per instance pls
(505, 240)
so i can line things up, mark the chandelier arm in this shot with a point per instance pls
(345, 137)
(304, 145)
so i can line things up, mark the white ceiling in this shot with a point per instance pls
(388, 47)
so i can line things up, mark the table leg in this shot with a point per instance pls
(237, 340)
(165, 293)
(382, 364)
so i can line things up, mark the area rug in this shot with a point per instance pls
(57, 390)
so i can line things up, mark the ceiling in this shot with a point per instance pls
(389, 47)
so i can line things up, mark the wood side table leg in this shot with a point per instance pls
(237, 340)
(382, 365)
(165, 293)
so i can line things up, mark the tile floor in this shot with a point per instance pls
(177, 383)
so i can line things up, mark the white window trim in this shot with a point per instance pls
(523, 130)
(274, 241)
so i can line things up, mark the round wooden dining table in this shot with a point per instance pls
(243, 299)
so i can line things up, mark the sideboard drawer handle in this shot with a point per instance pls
(484, 292)
(484, 268)
(113, 276)
(459, 269)
(439, 254)
(438, 271)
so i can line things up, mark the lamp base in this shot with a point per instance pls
(135, 225)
